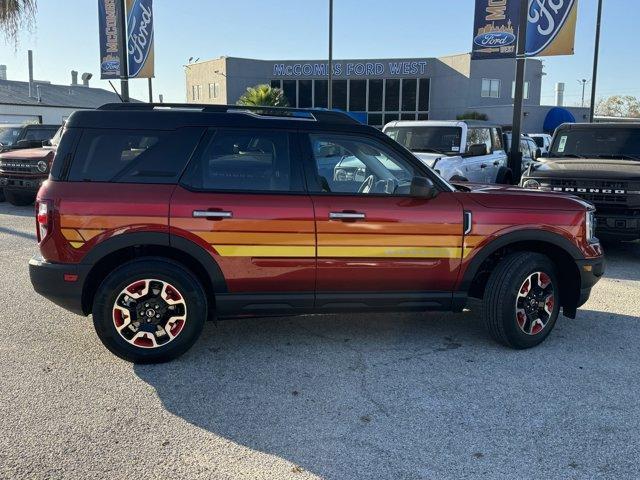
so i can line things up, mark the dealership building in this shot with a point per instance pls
(381, 90)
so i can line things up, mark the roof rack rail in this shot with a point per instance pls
(283, 113)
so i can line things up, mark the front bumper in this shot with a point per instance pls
(617, 226)
(27, 185)
(48, 279)
(591, 271)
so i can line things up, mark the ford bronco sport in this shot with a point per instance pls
(157, 217)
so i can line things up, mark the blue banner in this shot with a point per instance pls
(140, 38)
(110, 54)
(551, 26)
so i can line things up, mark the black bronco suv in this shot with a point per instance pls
(599, 162)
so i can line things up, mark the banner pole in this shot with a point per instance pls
(124, 57)
(515, 155)
(596, 51)
(330, 82)
(150, 90)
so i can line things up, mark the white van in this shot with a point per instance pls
(459, 150)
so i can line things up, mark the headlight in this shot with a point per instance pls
(531, 184)
(590, 226)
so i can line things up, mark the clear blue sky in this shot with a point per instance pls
(66, 38)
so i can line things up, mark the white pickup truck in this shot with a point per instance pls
(459, 150)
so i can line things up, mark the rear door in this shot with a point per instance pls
(376, 245)
(242, 200)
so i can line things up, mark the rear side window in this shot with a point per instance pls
(248, 161)
(133, 156)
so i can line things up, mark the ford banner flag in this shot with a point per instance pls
(551, 26)
(110, 55)
(140, 38)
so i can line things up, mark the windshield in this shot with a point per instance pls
(539, 141)
(444, 140)
(619, 142)
(9, 135)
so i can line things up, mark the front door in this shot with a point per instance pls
(242, 199)
(481, 166)
(376, 245)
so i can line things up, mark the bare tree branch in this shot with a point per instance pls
(15, 16)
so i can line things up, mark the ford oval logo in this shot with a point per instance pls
(495, 39)
(140, 41)
(545, 20)
(111, 66)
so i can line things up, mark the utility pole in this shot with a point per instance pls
(584, 82)
(596, 52)
(330, 83)
(124, 57)
(515, 155)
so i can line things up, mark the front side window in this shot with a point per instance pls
(479, 135)
(428, 139)
(357, 165)
(121, 156)
(245, 160)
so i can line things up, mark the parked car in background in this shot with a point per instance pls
(31, 135)
(530, 150)
(543, 141)
(154, 220)
(465, 150)
(599, 162)
(22, 171)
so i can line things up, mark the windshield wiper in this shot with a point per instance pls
(428, 150)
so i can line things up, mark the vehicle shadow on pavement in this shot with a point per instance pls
(8, 209)
(387, 395)
(18, 233)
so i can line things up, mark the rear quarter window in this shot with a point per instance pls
(133, 156)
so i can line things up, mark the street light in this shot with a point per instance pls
(584, 82)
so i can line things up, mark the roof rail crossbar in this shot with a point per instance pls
(309, 114)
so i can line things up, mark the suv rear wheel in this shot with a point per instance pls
(521, 301)
(150, 310)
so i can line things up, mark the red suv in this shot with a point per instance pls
(157, 217)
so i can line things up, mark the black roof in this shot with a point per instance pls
(164, 116)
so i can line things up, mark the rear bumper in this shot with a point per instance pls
(591, 271)
(48, 279)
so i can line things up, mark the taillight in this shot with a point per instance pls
(43, 219)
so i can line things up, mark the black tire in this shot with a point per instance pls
(504, 176)
(149, 268)
(499, 311)
(19, 199)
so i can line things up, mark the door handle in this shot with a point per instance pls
(212, 214)
(483, 165)
(496, 163)
(346, 216)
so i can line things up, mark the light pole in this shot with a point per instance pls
(596, 51)
(515, 155)
(584, 82)
(124, 57)
(330, 66)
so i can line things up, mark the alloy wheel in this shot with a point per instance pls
(534, 303)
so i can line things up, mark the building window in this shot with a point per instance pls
(525, 92)
(357, 95)
(276, 84)
(375, 96)
(304, 94)
(409, 94)
(490, 88)
(320, 93)
(339, 93)
(193, 92)
(289, 89)
(214, 90)
(424, 86)
(392, 95)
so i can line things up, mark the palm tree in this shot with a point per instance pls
(263, 96)
(16, 15)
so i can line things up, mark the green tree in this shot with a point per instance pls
(263, 96)
(472, 116)
(16, 15)
(619, 106)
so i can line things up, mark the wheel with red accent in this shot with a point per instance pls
(150, 310)
(521, 301)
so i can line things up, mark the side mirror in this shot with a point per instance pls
(538, 153)
(422, 187)
(477, 150)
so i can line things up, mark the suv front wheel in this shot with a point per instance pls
(150, 310)
(521, 301)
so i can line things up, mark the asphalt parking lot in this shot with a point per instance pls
(335, 396)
